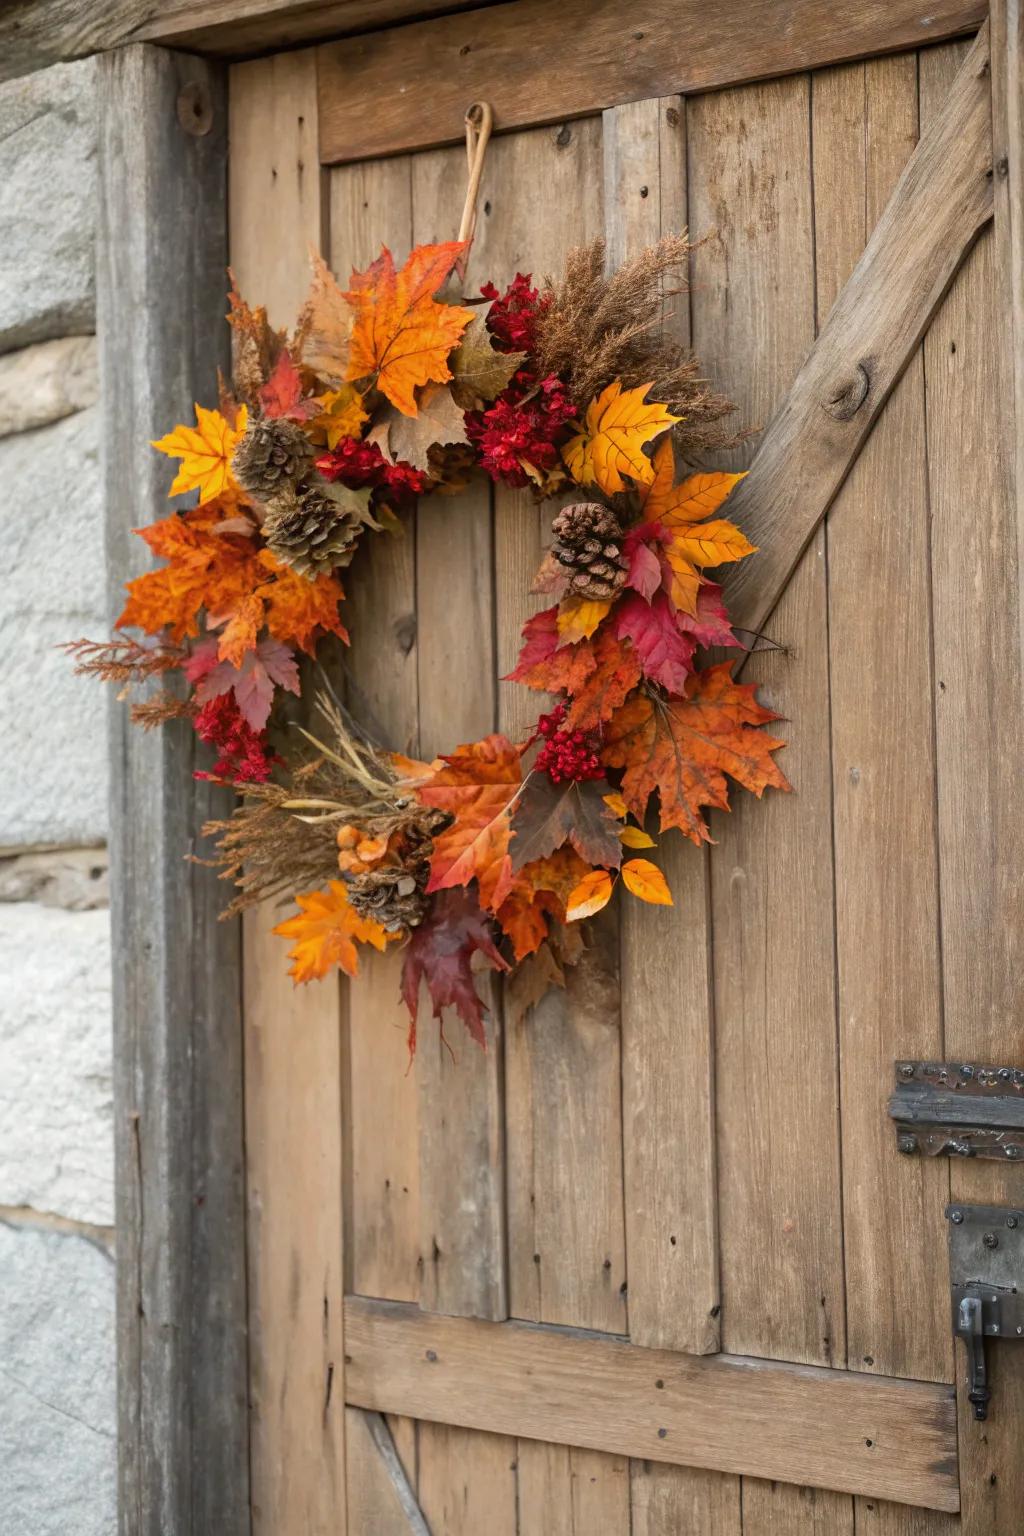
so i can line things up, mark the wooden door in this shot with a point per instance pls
(653, 1263)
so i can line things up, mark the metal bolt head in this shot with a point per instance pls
(992, 1328)
(907, 1144)
(990, 1240)
(1005, 1074)
(1013, 1152)
(956, 1217)
(906, 1069)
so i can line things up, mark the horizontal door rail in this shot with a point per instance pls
(845, 1430)
(538, 62)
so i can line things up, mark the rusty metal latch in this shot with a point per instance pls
(986, 1281)
(959, 1109)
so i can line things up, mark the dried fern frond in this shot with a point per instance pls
(282, 838)
(161, 708)
(123, 661)
(595, 327)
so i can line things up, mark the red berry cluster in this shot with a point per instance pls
(567, 756)
(357, 464)
(512, 315)
(522, 426)
(244, 757)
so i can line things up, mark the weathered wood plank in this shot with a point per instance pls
(381, 1501)
(667, 1031)
(824, 1428)
(36, 33)
(292, 1036)
(979, 729)
(461, 1088)
(370, 205)
(467, 1481)
(538, 62)
(883, 770)
(183, 1424)
(564, 1491)
(668, 1501)
(771, 868)
(940, 203)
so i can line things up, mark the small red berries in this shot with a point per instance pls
(567, 756)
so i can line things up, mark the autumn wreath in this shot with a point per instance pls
(389, 390)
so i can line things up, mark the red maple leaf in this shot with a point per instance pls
(547, 665)
(663, 651)
(440, 953)
(281, 395)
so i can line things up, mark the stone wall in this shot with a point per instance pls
(57, 1445)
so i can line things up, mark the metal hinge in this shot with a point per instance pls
(959, 1109)
(986, 1281)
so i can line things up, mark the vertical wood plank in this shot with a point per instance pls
(565, 1491)
(182, 1389)
(461, 1089)
(772, 878)
(883, 767)
(782, 1509)
(372, 205)
(381, 1497)
(979, 741)
(667, 1066)
(292, 1037)
(467, 1481)
(671, 1501)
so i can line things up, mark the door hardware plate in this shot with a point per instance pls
(959, 1109)
(986, 1282)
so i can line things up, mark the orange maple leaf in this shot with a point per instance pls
(240, 631)
(298, 609)
(615, 674)
(619, 423)
(205, 452)
(545, 663)
(326, 930)
(541, 890)
(693, 540)
(401, 335)
(683, 746)
(204, 570)
(477, 784)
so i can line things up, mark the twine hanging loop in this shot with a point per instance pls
(479, 124)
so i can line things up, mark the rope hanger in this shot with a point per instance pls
(479, 124)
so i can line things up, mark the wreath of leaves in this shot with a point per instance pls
(388, 390)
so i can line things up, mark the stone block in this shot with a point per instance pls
(56, 1110)
(58, 1447)
(47, 382)
(77, 879)
(48, 204)
(51, 533)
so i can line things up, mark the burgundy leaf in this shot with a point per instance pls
(440, 953)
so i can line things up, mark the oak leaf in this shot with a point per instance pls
(440, 952)
(618, 425)
(205, 452)
(326, 930)
(682, 747)
(548, 815)
(479, 373)
(645, 880)
(614, 674)
(476, 784)
(401, 336)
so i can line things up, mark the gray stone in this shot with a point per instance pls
(56, 1111)
(58, 1470)
(76, 879)
(47, 204)
(51, 534)
(47, 382)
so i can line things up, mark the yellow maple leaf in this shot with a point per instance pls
(619, 422)
(695, 498)
(205, 452)
(578, 617)
(401, 335)
(682, 510)
(342, 414)
(326, 930)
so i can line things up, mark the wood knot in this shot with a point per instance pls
(195, 108)
(848, 394)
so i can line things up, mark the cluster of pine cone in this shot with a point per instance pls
(588, 543)
(395, 894)
(306, 522)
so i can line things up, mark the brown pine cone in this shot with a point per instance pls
(271, 455)
(393, 897)
(305, 527)
(587, 543)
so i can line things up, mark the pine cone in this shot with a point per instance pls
(271, 454)
(587, 543)
(393, 897)
(307, 529)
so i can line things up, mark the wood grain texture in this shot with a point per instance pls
(883, 776)
(539, 63)
(667, 1065)
(461, 1088)
(754, 311)
(668, 1501)
(37, 33)
(369, 205)
(824, 1428)
(293, 1095)
(979, 726)
(467, 1481)
(564, 1491)
(180, 1207)
(940, 203)
(381, 1500)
